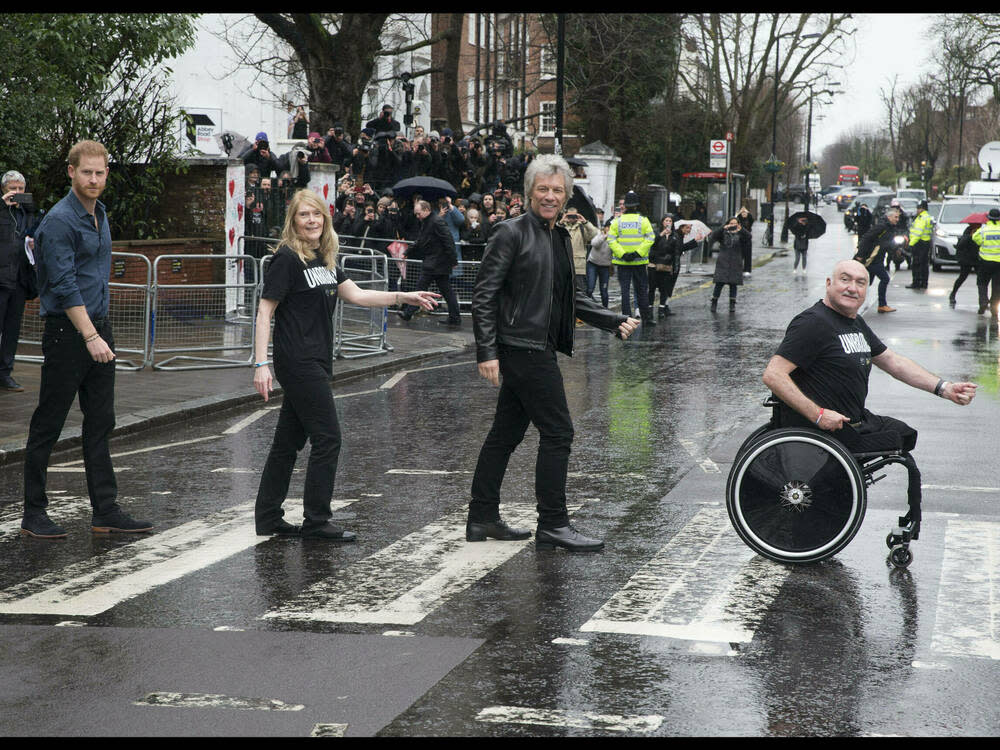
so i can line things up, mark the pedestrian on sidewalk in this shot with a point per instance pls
(524, 309)
(729, 263)
(300, 292)
(73, 244)
(745, 219)
(17, 271)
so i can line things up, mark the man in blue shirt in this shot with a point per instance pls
(73, 258)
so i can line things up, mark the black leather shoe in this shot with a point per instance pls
(41, 527)
(328, 532)
(7, 383)
(281, 528)
(118, 522)
(715, 304)
(568, 538)
(478, 532)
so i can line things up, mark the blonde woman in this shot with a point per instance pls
(301, 287)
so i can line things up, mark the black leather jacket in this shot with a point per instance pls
(512, 301)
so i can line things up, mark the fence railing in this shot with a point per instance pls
(191, 318)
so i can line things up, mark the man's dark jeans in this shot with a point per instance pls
(307, 411)
(69, 369)
(11, 312)
(531, 392)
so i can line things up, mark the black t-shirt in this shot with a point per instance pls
(833, 358)
(303, 321)
(562, 275)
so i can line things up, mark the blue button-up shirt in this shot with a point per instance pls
(73, 259)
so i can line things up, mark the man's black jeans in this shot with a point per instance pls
(531, 392)
(443, 282)
(307, 411)
(69, 369)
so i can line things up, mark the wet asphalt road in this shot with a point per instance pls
(675, 628)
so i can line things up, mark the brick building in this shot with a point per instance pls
(506, 70)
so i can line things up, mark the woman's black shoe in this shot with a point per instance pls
(480, 531)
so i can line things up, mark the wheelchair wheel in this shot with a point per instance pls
(796, 496)
(753, 436)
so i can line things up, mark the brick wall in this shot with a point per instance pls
(195, 203)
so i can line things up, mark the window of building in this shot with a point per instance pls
(547, 68)
(547, 122)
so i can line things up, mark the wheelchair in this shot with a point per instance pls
(799, 495)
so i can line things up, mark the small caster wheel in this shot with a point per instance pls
(901, 557)
(890, 540)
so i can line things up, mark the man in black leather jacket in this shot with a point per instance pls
(524, 310)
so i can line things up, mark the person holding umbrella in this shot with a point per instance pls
(805, 226)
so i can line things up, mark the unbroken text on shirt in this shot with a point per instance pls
(320, 276)
(854, 343)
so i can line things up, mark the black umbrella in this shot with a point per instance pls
(814, 222)
(582, 203)
(430, 188)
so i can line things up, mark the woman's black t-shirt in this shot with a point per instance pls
(833, 358)
(303, 320)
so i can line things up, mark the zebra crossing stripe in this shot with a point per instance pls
(404, 582)
(101, 582)
(703, 585)
(968, 607)
(210, 700)
(569, 719)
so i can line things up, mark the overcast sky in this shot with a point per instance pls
(886, 44)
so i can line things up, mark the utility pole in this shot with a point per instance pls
(560, 70)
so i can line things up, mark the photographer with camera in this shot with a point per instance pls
(581, 232)
(339, 146)
(384, 122)
(260, 155)
(318, 152)
(729, 263)
(17, 269)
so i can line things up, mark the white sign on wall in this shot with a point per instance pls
(198, 130)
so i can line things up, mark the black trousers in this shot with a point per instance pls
(11, 313)
(746, 250)
(531, 392)
(963, 273)
(68, 370)
(443, 282)
(662, 282)
(987, 274)
(733, 289)
(920, 268)
(307, 412)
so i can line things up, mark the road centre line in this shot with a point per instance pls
(144, 450)
(94, 585)
(568, 719)
(209, 700)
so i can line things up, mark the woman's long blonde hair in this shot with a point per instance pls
(329, 243)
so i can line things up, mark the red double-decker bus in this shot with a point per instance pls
(849, 175)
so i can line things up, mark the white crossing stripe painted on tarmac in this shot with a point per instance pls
(404, 582)
(64, 507)
(101, 582)
(391, 382)
(703, 585)
(210, 700)
(968, 606)
(568, 719)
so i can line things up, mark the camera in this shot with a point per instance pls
(262, 145)
(22, 198)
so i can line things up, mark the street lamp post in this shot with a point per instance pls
(808, 189)
(774, 126)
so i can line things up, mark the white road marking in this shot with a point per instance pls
(391, 382)
(143, 450)
(328, 730)
(71, 624)
(404, 582)
(570, 641)
(574, 719)
(703, 585)
(99, 583)
(357, 393)
(968, 609)
(399, 633)
(249, 420)
(707, 465)
(68, 506)
(569, 475)
(79, 469)
(958, 488)
(209, 700)
(425, 472)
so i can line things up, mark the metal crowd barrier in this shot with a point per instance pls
(192, 318)
(129, 312)
(362, 331)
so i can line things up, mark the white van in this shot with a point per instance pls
(983, 188)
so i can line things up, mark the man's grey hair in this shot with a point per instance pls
(544, 165)
(12, 176)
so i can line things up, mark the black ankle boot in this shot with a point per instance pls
(715, 304)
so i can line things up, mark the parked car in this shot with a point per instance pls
(982, 188)
(949, 227)
(876, 202)
(909, 207)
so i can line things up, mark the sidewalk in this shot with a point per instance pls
(154, 398)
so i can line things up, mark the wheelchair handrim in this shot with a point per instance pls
(831, 547)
